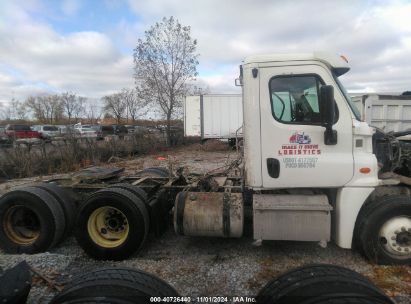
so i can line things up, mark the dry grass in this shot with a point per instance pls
(394, 280)
(213, 145)
(71, 154)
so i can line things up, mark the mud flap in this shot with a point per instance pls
(159, 210)
(15, 284)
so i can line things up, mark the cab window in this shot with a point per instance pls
(295, 99)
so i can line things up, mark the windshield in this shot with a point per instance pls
(353, 107)
(19, 128)
(50, 128)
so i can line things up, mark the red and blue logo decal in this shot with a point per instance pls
(300, 138)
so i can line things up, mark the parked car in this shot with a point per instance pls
(47, 132)
(63, 129)
(86, 131)
(131, 129)
(142, 130)
(98, 129)
(119, 130)
(22, 133)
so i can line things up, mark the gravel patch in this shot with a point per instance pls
(212, 266)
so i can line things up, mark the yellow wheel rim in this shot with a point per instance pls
(108, 227)
(21, 225)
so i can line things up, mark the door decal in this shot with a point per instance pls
(299, 146)
(300, 138)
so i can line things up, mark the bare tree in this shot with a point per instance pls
(6, 112)
(56, 108)
(135, 106)
(164, 62)
(45, 109)
(69, 104)
(79, 110)
(35, 105)
(115, 105)
(92, 111)
(16, 110)
(21, 111)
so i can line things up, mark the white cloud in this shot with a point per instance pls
(372, 34)
(84, 62)
(70, 7)
(35, 57)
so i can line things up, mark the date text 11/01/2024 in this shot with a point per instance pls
(233, 299)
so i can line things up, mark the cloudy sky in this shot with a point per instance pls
(87, 46)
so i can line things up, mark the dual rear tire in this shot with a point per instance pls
(35, 218)
(113, 223)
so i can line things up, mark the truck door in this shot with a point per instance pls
(292, 138)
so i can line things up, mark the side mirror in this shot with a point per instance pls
(328, 113)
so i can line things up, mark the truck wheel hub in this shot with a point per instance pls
(395, 236)
(404, 239)
(108, 227)
(115, 221)
(21, 225)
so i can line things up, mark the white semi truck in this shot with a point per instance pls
(309, 172)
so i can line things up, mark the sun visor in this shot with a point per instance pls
(340, 71)
(338, 64)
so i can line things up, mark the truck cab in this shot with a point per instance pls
(309, 158)
(283, 104)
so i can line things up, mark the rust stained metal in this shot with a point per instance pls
(211, 214)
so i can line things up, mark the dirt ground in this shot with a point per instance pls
(206, 266)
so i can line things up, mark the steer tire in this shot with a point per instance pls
(307, 283)
(371, 224)
(66, 202)
(41, 213)
(154, 172)
(116, 284)
(101, 239)
(132, 188)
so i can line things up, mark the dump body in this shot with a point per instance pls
(391, 113)
(213, 116)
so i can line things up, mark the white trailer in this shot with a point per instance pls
(391, 113)
(218, 116)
